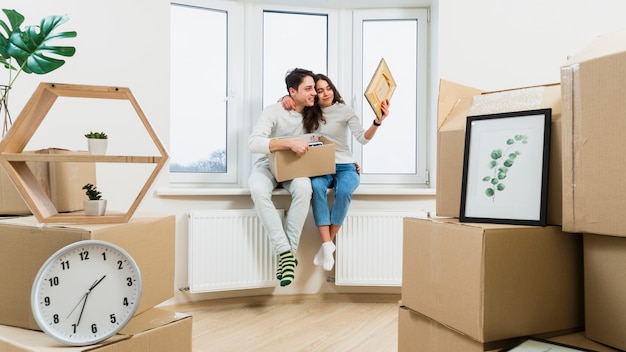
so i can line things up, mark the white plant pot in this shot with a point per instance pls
(97, 146)
(95, 207)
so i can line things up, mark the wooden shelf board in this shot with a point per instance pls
(146, 159)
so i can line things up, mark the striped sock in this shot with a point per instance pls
(279, 269)
(288, 264)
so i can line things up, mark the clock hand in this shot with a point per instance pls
(96, 283)
(85, 299)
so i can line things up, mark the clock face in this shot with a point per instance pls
(86, 292)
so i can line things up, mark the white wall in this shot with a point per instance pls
(490, 44)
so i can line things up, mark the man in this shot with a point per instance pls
(275, 121)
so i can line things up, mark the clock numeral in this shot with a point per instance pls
(125, 302)
(46, 301)
(129, 281)
(104, 256)
(84, 255)
(65, 265)
(119, 265)
(94, 328)
(55, 318)
(74, 327)
(54, 281)
(113, 318)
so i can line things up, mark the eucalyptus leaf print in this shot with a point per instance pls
(501, 162)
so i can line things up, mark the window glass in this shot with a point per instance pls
(394, 150)
(199, 86)
(291, 40)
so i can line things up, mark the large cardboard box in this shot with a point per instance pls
(493, 282)
(594, 102)
(319, 160)
(156, 330)
(62, 182)
(417, 332)
(456, 102)
(25, 245)
(605, 289)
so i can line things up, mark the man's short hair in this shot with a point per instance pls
(296, 76)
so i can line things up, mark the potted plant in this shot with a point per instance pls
(97, 142)
(95, 205)
(28, 51)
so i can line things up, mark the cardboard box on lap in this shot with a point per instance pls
(61, 181)
(493, 282)
(594, 108)
(25, 245)
(156, 330)
(319, 160)
(456, 102)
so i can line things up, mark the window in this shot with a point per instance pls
(397, 154)
(225, 70)
(290, 39)
(203, 126)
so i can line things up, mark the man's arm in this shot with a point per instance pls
(299, 147)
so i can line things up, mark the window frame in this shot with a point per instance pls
(234, 98)
(421, 176)
(246, 81)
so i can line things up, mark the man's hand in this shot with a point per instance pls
(299, 147)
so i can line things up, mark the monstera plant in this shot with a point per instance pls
(28, 50)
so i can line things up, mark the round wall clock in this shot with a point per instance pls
(86, 292)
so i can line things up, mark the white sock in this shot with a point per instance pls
(329, 259)
(319, 257)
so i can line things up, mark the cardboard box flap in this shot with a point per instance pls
(601, 47)
(152, 319)
(449, 95)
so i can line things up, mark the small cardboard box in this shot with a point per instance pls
(156, 330)
(594, 102)
(605, 289)
(319, 160)
(417, 332)
(25, 245)
(62, 182)
(493, 282)
(456, 102)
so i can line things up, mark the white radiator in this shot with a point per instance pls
(369, 248)
(229, 250)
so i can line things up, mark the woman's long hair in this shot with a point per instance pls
(312, 116)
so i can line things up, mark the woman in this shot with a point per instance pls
(332, 118)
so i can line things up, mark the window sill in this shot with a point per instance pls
(362, 190)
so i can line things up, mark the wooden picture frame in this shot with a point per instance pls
(505, 168)
(381, 87)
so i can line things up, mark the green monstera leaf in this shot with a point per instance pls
(15, 21)
(31, 48)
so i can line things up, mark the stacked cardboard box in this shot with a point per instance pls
(456, 103)
(482, 285)
(594, 107)
(62, 182)
(478, 287)
(26, 244)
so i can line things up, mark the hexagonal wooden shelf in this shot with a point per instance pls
(29, 119)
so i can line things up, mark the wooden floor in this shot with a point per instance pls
(330, 323)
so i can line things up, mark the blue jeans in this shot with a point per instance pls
(343, 182)
(261, 184)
